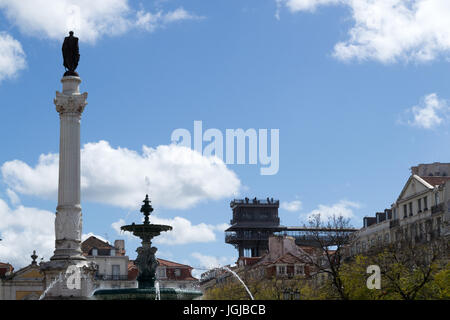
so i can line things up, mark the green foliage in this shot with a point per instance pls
(405, 276)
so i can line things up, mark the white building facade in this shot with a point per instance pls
(420, 214)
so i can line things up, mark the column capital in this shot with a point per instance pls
(74, 103)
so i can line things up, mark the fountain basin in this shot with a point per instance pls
(146, 230)
(146, 294)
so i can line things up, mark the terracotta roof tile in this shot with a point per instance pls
(288, 258)
(168, 263)
(93, 242)
(436, 181)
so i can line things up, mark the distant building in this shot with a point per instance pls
(420, 214)
(170, 274)
(5, 269)
(284, 260)
(112, 263)
(24, 284)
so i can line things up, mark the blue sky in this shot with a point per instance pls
(359, 97)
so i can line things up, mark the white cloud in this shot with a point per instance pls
(222, 227)
(307, 5)
(390, 30)
(174, 176)
(342, 208)
(89, 19)
(23, 230)
(13, 197)
(183, 232)
(431, 113)
(210, 262)
(12, 56)
(116, 225)
(151, 21)
(292, 206)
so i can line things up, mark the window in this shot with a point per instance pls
(281, 270)
(177, 272)
(112, 252)
(386, 238)
(436, 198)
(299, 269)
(419, 203)
(161, 272)
(364, 246)
(425, 203)
(405, 211)
(94, 252)
(115, 271)
(410, 209)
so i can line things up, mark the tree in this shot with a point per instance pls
(330, 237)
(410, 270)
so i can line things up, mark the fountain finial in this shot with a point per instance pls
(146, 209)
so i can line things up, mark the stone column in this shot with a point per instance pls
(68, 223)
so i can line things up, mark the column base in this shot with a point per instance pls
(62, 283)
(67, 250)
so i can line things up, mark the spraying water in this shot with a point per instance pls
(158, 292)
(240, 280)
(52, 284)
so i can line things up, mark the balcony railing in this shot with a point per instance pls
(111, 277)
(437, 208)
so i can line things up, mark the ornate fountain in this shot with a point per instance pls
(146, 263)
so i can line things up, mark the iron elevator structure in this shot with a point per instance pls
(254, 221)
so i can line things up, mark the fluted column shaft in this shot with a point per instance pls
(70, 105)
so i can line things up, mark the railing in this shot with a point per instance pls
(255, 201)
(111, 277)
(235, 237)
(256, 218)
(437, 208)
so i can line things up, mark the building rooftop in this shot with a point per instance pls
(133, 270)
(93, 242)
